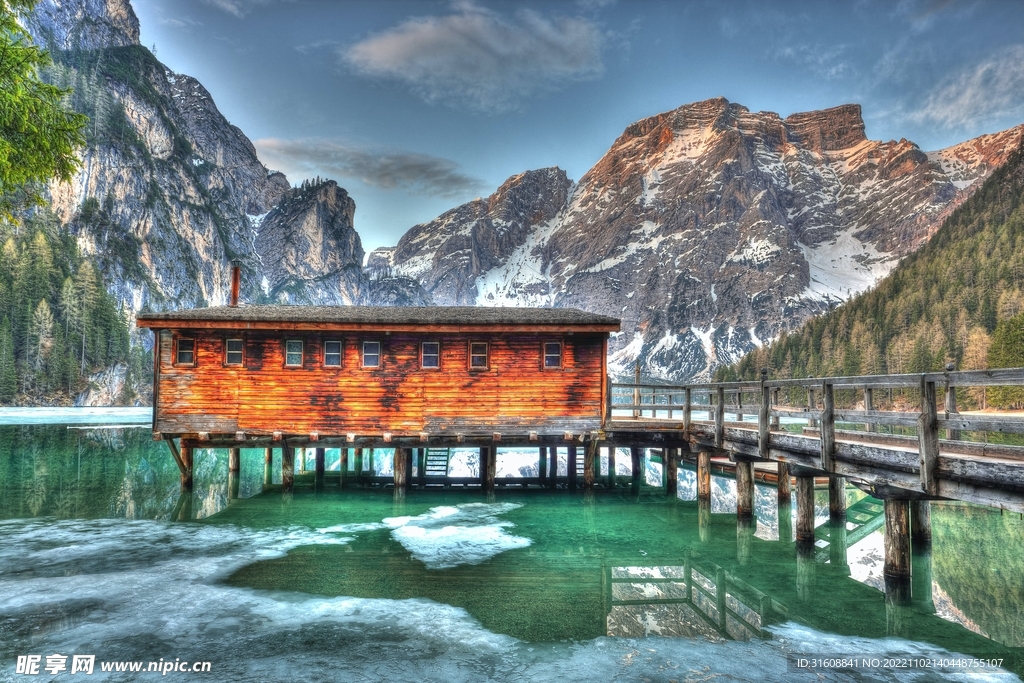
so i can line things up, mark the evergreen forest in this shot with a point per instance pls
(959, 299)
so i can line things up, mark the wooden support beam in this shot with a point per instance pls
(234, 460)
(704, 476)
(837, 500)
(637, 472)
(671, 465)
(320, 459)
(421, 465)
(687, 408)
(400, 469)
(783, 482)
(785, 513)
(571, 467)
(542, 464)
(611, 466)
(358, 464)
(186, 472)
(928, 437)
(744, 490)
(744, 539)
(176, 455)
(897, 539)
(287, 469)
(828, 429)
(488, 468)
(804, 509)
(704, 519)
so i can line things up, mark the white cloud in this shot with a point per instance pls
(416, 173)
(482, 59)
(992, 89)
(238, 8)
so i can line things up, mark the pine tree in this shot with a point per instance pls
(8, 373)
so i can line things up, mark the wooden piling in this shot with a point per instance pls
(552, 466)
(671, 472)
(921, 526)
(571, 467)
(704, 475)
(806, 567)
(611, 467)
(542, 464)
(744, 490)
(634, 454)
(287, 469)
(837, 547)
(897, 539)
(421, 466)
(320, 456)
(400, 467)
(268, 464)
(783, 485)
(589, 465)
(704, 519)
(837, 499)
(928, 438)
(785, 513)
(358, 464)
(234, 468)
(343, 467)
(744, 539)
(804, 509)
(488, 468)
(371, 465)
(186, 461)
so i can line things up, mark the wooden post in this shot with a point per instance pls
(921, 576)
(811, 407)
(806, 571)
(571, 467)
(287, 469)
(720, 418)
(400, 467)
(951, 434)
(320, 455)
(608, 401)
(343, 466)
(358, 464)
(744, 539)
(869, 405)
(720, 602)
(492, 467)
(552, 466)
(785, 511)
(921, 526)
(421, 465)
(704, 476)
(775, 424)
(804, 509)
(542, 464)
(589, 465)
(704, 519)
(186, 461)
(739, 404)
(897, 539)
(837, 547)
(611, 467)
(763, 427)
(487, 469)
(687, 409)
(671, 463)
(783, 485)
(636, 391)
(371, 465)
(268, 464)
(837, 500)
(744, 490)
(234, 468)
(634, 453)
(828, 429)
(928, 438)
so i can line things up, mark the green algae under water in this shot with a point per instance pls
(542, 566)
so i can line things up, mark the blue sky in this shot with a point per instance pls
(416, 106)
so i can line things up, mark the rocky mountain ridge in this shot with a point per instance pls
(708, 229)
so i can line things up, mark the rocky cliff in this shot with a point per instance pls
(170, 193)
(709, 229)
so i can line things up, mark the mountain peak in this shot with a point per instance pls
(828, 130)
(83, 24)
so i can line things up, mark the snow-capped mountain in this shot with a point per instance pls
(708, 229)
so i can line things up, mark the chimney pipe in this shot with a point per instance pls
(236, 281)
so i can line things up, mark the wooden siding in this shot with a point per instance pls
(516, 393)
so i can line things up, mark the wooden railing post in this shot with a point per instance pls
(636, 391)
(928, 437)
(775, 425)
(762, 416)
(811, 407)
(739, 404)
(951, 434)
(720, 418)
(828, 428)
(687, 414)
(608, 402)
(869, 405)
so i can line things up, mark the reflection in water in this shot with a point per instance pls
(559, 566)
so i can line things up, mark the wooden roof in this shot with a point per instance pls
(381, 318)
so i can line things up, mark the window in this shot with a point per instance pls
(332, 354)
(478, 355)
(293, 352)
(232, 352)
(430, 355)
(371, 354)
(552, 354)
(185, 352)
